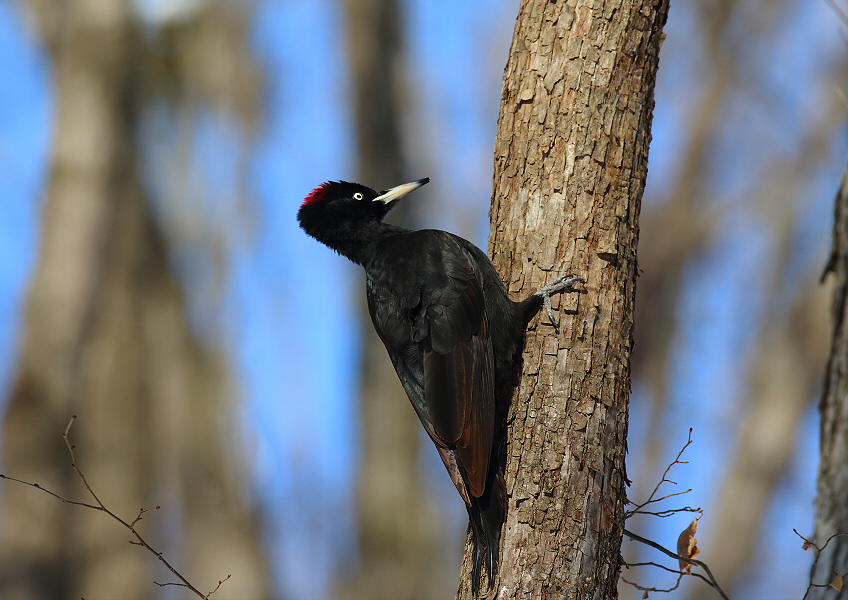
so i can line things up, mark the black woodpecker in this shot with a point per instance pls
(454, 337)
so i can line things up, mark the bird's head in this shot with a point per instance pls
(342, 202)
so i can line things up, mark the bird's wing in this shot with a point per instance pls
(426, 301)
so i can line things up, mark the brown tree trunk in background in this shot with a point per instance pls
(401, 547)
(570, 166)
(105, 337)
(831, 505)
(682, 231)
(783, 379)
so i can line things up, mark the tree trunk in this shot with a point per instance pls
(570, 166)
(106, 337)
(831, 507)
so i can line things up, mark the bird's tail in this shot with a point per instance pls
(486, 516)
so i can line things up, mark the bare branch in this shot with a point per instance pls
(219, 585)
(99, 506)
(654, 589)
(668, 512)
(677, 572)
(175, 584)
(54, 494)
(651, 499)
(709, 579)
(653, 564)
(818, 550)
(141, 511)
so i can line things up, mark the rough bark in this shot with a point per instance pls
(106, 337)
(570, 166)
(399, 535)
(832, 488)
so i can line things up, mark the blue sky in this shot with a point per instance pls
(24, 138)
(279, 279)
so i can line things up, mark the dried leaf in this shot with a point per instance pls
(836, 583)
(645, 595)
(687, 545)
(806, 545)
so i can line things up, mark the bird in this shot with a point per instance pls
(454, 336)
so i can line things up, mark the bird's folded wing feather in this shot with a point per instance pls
(439, 342)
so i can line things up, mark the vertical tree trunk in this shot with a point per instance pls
(400, 545)
(570, 166)
(106, 338)
(831, 506)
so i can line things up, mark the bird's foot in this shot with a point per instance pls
(562, 284)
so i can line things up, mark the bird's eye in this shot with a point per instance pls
(358, 196)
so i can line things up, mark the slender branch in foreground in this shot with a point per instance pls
(687, 537)
(664, 479)
(835, 583)
(653, 589)
(709, 579)
(99, 506)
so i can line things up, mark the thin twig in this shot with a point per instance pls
(818, 550)
(99, 506)
(667, 513)
(664, 479)
(653, 564)
(46, 491)
(640, 509)
(677, 572)
(709, 579)
(654, 589)
(166, 584)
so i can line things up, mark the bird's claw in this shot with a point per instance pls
(561, 284)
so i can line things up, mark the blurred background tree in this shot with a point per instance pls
(153, 280)
(400, 538)
(106, 333)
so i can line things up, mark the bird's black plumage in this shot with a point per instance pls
(451, 331)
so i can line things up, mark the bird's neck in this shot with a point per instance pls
(358, 242)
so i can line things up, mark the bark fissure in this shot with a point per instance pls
(831, 510)
(570, 167)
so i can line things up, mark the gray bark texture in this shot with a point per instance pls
(831, 504)
(570, 166)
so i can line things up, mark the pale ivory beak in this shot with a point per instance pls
(398, 192)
